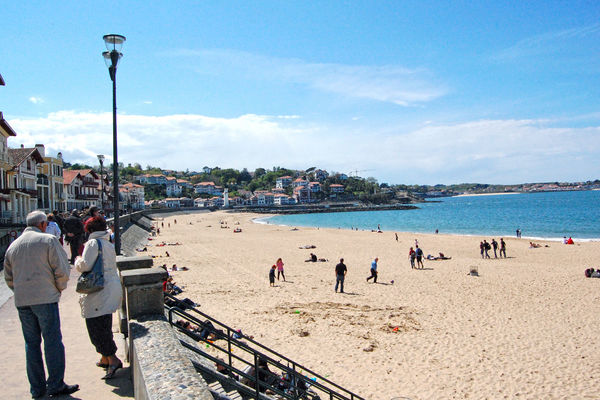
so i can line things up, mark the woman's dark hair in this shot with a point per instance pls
(95, 224)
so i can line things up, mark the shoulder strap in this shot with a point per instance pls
(99, 247)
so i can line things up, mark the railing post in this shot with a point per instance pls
(256, 376)
(295, 380)
(229, 346)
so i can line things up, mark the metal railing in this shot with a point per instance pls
(289, 379)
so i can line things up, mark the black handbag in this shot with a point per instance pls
(92, 281)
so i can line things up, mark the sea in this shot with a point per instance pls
(541, 215)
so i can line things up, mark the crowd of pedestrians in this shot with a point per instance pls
(37, 269)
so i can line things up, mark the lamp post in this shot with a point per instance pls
(112, 57)
(101, 160)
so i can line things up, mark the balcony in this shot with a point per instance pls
(87, 197)
(91, 184)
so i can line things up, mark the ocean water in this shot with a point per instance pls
(549, 215)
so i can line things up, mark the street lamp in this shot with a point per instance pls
(101, 160)
(112, 57)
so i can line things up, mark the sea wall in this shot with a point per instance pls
(160, 368)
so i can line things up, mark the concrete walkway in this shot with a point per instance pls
(81, 355)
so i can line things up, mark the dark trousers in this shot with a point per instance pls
(37, 322)
(282, 274)
(75, 243)
(373, 275)
(101, 336)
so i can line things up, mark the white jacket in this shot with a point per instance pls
(107, 300)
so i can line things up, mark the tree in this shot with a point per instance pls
(258, 172)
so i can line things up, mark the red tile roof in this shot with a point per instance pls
(69, 175)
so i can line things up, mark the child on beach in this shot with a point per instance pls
(272, 275)
(280, 269)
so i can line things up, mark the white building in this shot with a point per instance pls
(283, 182)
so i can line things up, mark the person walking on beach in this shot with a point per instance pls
(272, 275)
(486, 248)
(396, 237)
(419, 254)
(481, 248)
(495, 247)
(340, 275)
(502, 248)
(36, 269)
(373, 270)
(411, 256)
(280, 269)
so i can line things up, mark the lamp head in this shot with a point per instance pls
(114, 42)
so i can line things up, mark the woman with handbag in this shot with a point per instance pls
(97, 307)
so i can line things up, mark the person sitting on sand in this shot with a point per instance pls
(313, 258)
(534, 245)
(443, 257)
(570, 240)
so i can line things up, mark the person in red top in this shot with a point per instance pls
(570, 241)
(412, 255)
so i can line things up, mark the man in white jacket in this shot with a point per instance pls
(36, 269)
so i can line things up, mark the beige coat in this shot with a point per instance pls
(36, 268)
(107, 300)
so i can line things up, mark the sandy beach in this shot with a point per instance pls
(526, 328)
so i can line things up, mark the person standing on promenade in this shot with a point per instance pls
(340, 275)
(495, 247)
(53, 227)
(74, 234)
(373, 270)
(280, 269)
(37, 271)
(97, 308)
(411, 256)
(61, 224)
(419, 254)
(502, 248)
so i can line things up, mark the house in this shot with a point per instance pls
(300, 182)
(283, 199)
(200, 202)
(336, 188)
(133, 196)
(314, 187)
(283, 181)
(321, 175)
(172, 202)
(186, 202)
(82, 188)
(215, 201)
(5, 207)
(50, 183)
(156, 179)
(185, 184)
(22, 181)
(301, 194)
(204, 188)
(173, 188)
(264, 198)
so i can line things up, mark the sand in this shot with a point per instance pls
(527, 327)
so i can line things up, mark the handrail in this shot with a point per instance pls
(291, 368)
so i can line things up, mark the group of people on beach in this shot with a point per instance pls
(485, 247)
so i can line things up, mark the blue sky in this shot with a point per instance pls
(406, 92)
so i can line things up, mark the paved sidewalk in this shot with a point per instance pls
(80, 354)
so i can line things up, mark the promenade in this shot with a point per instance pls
(80, 354)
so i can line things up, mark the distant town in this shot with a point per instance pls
(31, 179)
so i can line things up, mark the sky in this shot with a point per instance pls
(408, 92)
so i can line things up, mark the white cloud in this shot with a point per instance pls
(489, 151)
(147, 102)
(389, 83)
(36, 100)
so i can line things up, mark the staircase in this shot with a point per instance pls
(246, 369)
